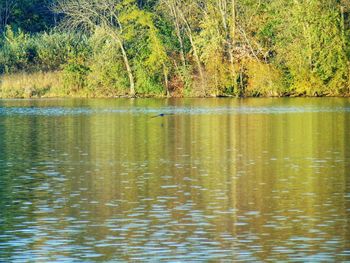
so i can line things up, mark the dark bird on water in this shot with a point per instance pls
(162, 115)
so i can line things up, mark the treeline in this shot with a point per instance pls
(181, 47)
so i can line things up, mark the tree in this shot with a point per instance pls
(311, 45)
(6, 8)
(186, 17)
(27, 15)
(89, 15)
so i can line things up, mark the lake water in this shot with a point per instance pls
(226, 180)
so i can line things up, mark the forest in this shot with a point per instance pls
(178, 48)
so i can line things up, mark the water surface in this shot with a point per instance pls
(250, 180)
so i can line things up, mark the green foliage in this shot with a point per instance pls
(54, 49)
(107, 76)
(16, 51)
(29, 15)
(145, 47)
(75, 74)
(312, 47)
(41, 52)
(147, 84)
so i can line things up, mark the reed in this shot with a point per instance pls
(32, 85)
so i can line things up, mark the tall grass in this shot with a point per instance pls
(28, 85)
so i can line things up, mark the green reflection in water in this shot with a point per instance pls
(82, 180)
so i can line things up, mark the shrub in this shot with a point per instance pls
(75, 75)
(263, 80)
(16, 51)
(53, 49)
(148, 83)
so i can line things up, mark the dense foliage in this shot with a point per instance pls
(181, 47)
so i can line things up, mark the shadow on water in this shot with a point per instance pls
(222, 179)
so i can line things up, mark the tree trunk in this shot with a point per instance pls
(231, 42)
(241, 92)
(196, 56)
(195, 52)
(229, 29)
(233, 22)
(128, 69)
(232, 64)
(166, 81)
(342, 25)
(179, 37)
(5, 12)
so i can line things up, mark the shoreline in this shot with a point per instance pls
(168, 97)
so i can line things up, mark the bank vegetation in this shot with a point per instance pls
(201, 48)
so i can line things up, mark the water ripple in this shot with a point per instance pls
(64, 111)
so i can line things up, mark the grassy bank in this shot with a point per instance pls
(55, 84)
(52, 85)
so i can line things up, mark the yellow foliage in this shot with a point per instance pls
(218, 75)
(263, 79)
(308, 85)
